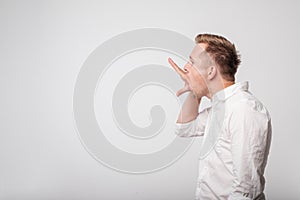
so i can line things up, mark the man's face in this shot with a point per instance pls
(196, 69)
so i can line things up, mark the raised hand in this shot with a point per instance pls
(183, 76)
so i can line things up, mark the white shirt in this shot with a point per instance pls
(237, 135)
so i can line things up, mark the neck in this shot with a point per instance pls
(219, 86)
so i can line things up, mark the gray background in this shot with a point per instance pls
(43, 45)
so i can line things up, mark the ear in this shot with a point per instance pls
(211, 72)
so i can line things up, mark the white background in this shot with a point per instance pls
(43, 45)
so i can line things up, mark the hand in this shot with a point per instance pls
(183, 76)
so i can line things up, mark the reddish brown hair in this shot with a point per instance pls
(223, 52)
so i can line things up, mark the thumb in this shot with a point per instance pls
(183, 90)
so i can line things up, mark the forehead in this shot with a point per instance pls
(197, 50)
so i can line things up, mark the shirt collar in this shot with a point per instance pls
(229, 91)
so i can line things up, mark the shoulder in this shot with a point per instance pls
(246, 104)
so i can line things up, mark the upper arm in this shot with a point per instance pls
(250, 139)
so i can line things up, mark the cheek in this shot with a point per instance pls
(199, 77)
(201, 81)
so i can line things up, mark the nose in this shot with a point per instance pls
(187, 67)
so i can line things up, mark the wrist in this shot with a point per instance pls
(196, 97)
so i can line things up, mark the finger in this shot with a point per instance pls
(175, 66)
(182, 90)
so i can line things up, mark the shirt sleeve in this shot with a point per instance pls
(195, 127)
(250, 131)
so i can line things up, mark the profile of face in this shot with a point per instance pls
(197, 70)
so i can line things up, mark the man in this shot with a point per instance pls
(236, 127)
